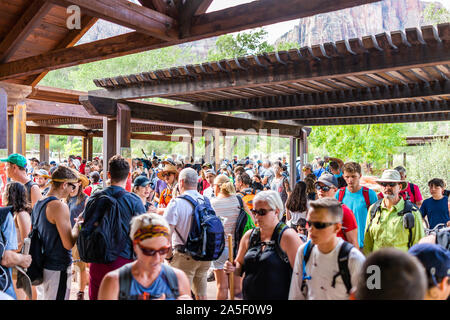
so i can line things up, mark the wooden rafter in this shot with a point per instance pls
(22, 29)
(128, 14)
(206, 25)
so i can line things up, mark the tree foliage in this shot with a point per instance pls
(435, 15)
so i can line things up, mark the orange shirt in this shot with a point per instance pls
(165, 197)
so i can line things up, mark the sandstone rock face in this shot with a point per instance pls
(374, 18)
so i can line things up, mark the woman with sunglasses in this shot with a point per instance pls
(51, 217)
(266, 254)
(147, 278)
(170, 175)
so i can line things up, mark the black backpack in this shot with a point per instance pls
(406, 213)
(103, 235)
(36, 270)
(206, 238)
(240, 226)
(5, 279)
(125, 278)
(343, 258)
(255, 240)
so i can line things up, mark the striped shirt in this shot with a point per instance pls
(229, 209)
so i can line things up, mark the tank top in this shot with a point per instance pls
(267, 275)
(56, 257)
(28, 187)
(76, 209)
(155, 290)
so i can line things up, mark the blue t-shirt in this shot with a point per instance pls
(355, 201)
(156, 289)
(9, 231)
(436, 211)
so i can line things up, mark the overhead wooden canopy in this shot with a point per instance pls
(400, 76)
(34, 37)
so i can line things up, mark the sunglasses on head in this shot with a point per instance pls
(390, 184)
(324, 188)
(320, 225)
(151, 252)
(260, 212)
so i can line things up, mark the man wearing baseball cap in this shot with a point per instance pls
(436, 261)
(16, 170)
(392, 221)
(327, 186)
(41, 177)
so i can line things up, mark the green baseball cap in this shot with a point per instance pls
(16, 159)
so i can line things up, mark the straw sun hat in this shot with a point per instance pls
(168, 168)
(392, 176)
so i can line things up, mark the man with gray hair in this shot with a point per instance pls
(179, 216)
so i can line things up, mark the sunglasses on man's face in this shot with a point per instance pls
(260, 212)
(324, 188)
(72, 185)
(320, 225)
(390, 184)
(151, 252)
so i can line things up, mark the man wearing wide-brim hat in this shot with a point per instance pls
(169, 174)
(392, 221)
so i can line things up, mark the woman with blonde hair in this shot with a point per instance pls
(147, 278)
(227, 207)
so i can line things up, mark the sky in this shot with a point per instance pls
(278, 29)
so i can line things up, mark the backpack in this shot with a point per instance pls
(243, 223)
(125, 278)
(255, 240)
(36, 270)
(5, 279)
(406, 213)
(365, 195)
(206, 238)
(343, 258)
(102, 235)
(247, 197)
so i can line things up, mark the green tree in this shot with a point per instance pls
(241, 44)
(435, 15)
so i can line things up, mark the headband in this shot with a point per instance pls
(151, 231)
(65, 180)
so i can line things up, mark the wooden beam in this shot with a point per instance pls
(435, 89)
(109, 144)
(130, 15)
(69, 41)
(55, 94)
(20, 123)
(44, 147)
(156, 137)
(23, 28)
(3, 119)
(10, 134)
(60, 131)
(123, 130)
(361, 110)
(135, 42)
(378, 119)
(16, 92)
(58, 109)
(165, 7)
(187, 11)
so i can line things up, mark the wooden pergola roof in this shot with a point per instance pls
(402, 76)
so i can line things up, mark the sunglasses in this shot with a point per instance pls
(72, 185)
(320, 225)
(151, 252)
(324, 188)
(166, 174)
(260, 212)
(390, 184)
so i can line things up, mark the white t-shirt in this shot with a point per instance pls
(209, 193)
(322, 268)
(179, 214)
(229, 209)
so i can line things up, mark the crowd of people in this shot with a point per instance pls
(124, 230)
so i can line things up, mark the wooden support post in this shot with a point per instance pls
(109, 144)
(44, 147)
(216, 149)
(292, 158)
(20, 129)
(3, 119)
(123, 139)
(90, 151)
(84, 147)
(10, 134)
(303, 151)
(208, 140)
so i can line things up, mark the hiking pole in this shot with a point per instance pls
(230, 258)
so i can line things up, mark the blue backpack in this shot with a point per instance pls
(206, 239)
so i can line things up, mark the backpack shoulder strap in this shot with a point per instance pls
(344, 272)
(189, 199)
(125, 278)
(4, 214)
(373, 211)
(365, 192)
(172, 280)
(279, 229)
(411, 187)
(241, 204)
(255, 238)
(341, 194)
(306, 254)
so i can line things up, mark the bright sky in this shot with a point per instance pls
(278, 29)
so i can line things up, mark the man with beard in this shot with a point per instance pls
(392, 221)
